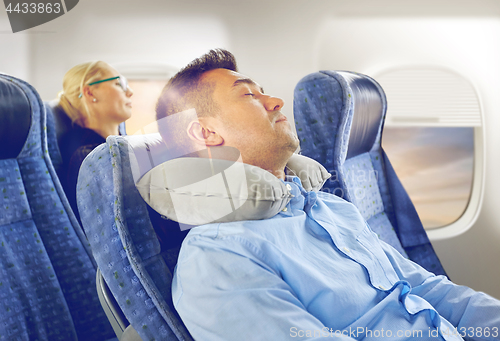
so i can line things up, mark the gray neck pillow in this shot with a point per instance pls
(202, 190)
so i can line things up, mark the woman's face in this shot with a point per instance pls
(113, 104)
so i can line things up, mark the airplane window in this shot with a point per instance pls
(435, 165)
(432, 121)
(146, 92)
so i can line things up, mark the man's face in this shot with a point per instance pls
(250, 120)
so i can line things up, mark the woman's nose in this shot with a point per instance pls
(129, 92)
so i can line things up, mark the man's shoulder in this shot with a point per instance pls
(238, 236)
(245, 229)
(224, 242)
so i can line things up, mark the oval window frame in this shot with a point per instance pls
(474, 205)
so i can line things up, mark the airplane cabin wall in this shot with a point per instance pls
(14, 51)
(277, 43)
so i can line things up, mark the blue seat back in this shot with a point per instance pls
(58, 123)
(339, 118)
(124, 243)
(47, 274)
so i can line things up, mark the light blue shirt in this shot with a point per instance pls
(317, 271)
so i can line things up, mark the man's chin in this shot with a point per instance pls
(290, 149)
(294, 143)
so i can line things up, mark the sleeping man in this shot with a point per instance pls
(315, 270)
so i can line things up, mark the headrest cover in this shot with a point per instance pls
(369, 107)
(15, 119)
(62, 121)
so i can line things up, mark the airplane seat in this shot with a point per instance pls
(47, 272)
(59, 132)
(339, 119)
(58, 124)
(124, 242)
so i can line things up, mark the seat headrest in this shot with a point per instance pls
(369, 107)
(15, 119)
(358, 98)
(62, 121)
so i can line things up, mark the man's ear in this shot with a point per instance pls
(203, 135)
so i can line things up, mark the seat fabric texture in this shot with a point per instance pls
(339, 118)
(124, 243)
(57, 124)
(47, 289)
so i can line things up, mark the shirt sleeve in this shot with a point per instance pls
(234, 294)
(476, 315)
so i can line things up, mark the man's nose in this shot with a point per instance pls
(129, 91)
(274, 103)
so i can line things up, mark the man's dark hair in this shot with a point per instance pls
(186, 91)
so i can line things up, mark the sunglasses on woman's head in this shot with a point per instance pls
(123, 83)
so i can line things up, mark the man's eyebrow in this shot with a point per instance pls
(247, 81)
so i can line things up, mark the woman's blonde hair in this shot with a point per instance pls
(71, 97)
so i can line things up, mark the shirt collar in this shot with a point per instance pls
(301, 199)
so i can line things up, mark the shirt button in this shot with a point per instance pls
(285, 209)
(289, 187)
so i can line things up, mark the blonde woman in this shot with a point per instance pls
(97, 99)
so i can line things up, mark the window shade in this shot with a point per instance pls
(429, 97)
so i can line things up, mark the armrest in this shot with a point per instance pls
(115, 316)
(130, 335)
